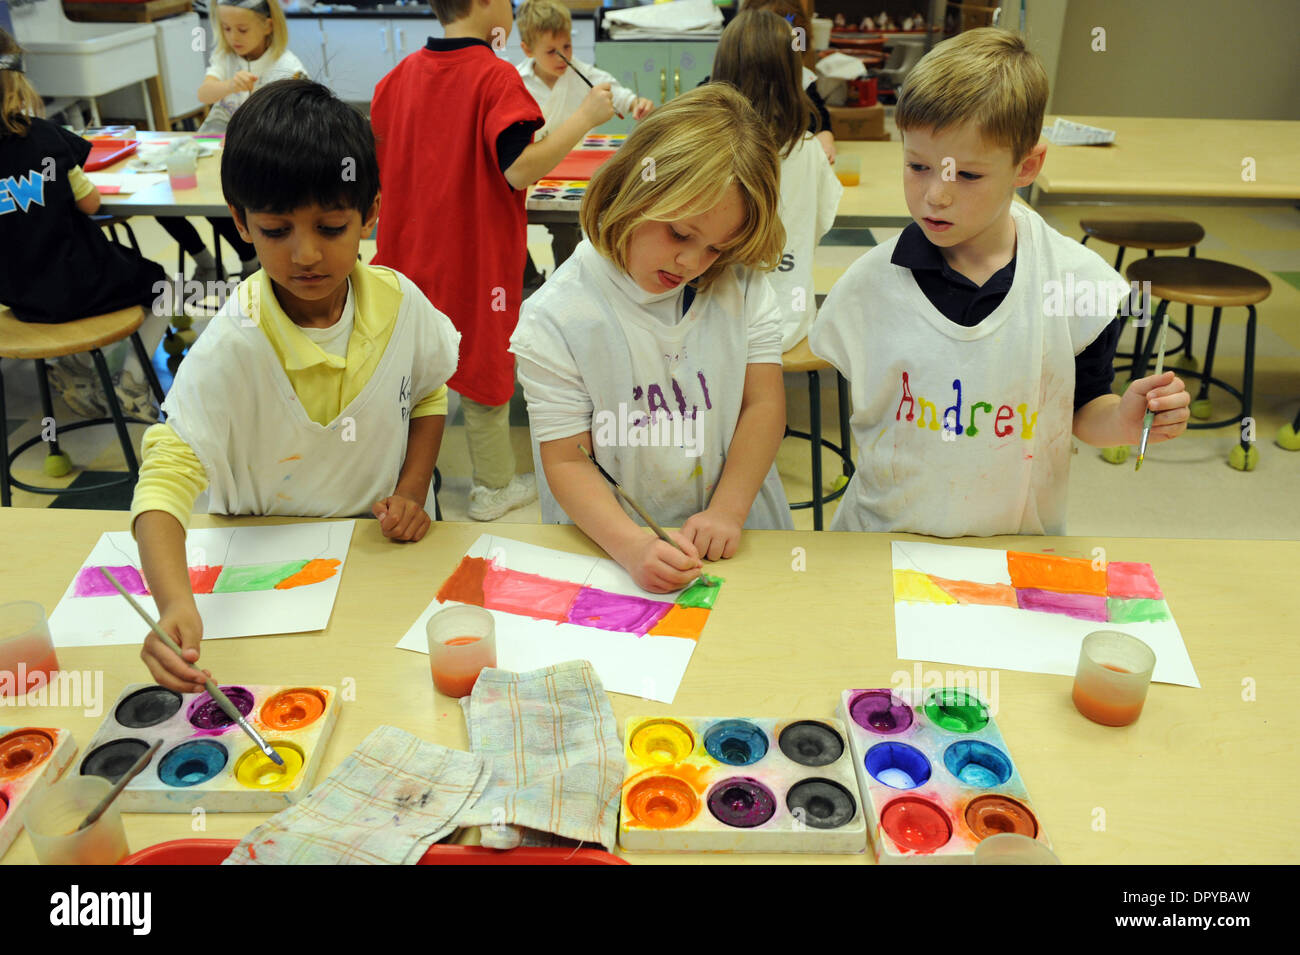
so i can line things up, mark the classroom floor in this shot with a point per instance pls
(1185, 489)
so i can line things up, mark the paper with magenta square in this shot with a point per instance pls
(935, 774)
(718, 784)
(205, 759)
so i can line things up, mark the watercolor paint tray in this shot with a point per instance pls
(213, 851)
(935, 774)
(32, 758)
(206, 761)
(714, 784)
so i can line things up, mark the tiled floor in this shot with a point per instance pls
(1186, 488)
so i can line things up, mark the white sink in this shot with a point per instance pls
(83, 59)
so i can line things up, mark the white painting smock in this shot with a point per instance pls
(810, 194)
(562, 100)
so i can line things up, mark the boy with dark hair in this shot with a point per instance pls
(454, 128)
(319, 388)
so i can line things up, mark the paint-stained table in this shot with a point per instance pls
(802, 616)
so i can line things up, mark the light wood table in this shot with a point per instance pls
(1203, 776)
(160, 199)
(1184, 159)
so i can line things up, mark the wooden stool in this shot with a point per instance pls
(1154, 235)
(109, 224)
(801, 358)
(40, 342)
(1195, 281)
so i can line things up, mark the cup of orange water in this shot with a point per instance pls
(27, 657)
(53, 817)
(1110, 684)
(847, 169)
(462, 641)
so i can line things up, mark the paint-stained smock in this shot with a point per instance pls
(660, 392)
(961, 430)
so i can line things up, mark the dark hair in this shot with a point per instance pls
(294, 143)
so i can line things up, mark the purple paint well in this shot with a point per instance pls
(607, 611)
(881, 712)
(1079, 606)
(91, 583)
(742, 802)
(206, 714)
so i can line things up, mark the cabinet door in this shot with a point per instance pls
(408, 35)
(643, 67)
(308, 44)
(691, 62)
(358, 53)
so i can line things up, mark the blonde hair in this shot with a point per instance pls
(535, 17)
(18, 101)
(986, 76)
(756, 55)
(279, 29)
(679, 162)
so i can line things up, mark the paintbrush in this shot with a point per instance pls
(581, 77)
(649, 521)
(118, 786)
(1150, 415)
(214, 691)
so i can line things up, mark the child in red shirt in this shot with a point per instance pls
(454, 127)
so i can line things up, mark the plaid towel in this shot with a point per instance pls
(386, 803)
(557, 763)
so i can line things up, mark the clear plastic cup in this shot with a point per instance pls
(52, 819)
(182, 170)
(27, 658)
(462, 641)
(1009, 848)
(848, 169)
(1114, 672)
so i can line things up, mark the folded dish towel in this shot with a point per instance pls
(557, 763)
(386, 803)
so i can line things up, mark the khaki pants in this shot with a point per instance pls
(487, 428)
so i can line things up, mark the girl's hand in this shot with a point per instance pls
(642, 108)
(243, 81)
(185, 626)
(714, 533)
(659, 567)
(401, 519)
(1167, 396)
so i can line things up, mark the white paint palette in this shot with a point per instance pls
(935, 774)
(714, 784)
(206, 761)
(32, 758)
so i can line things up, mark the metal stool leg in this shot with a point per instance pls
(1143, 356)
(115, 409)
(1119, 258)
(6, 499)
(150, 375)
(437, 486)
(47, 403)
(842, 386)
(1248, 375)
(1209, 356)
(815, 429)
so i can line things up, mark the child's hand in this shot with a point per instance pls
(827, 140)
(401, 519)
(642, 108)
(1167, 396)
(243, 81)
(659, 567)
(185, 626)
(598, 106)
(714, 534)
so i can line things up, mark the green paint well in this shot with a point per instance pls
(701, 594)
(955, 710)
(1136, 610)
(249, 577)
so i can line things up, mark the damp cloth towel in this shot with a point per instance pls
(387, 802)
(556, 760)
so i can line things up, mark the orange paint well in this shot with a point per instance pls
(293, 709)
(970, 592)
(991, 815)
(313, 573)
(465, 585)
(662, 802)
(1071, 575)
(24, 750)
(687, 622)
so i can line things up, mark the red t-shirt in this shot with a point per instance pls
(449, 219)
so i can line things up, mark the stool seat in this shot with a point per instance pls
(1145, 233)
(801, 358)
(35, 340)
(1194, 281)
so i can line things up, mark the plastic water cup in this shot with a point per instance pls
(27, 658)
(848, 169)
(462, 641)
(53, 817)
(182, 170)
(1009, 848)
(1114, 672)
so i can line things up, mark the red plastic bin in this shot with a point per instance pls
(213, 851)
(105, 152)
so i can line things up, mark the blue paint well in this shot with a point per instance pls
(897, 765)
(977, 764)
(192, 763)
(736, 742)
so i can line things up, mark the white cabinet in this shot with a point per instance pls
(306, 42)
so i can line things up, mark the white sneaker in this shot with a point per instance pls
(487, 504)
(135, 397)
(78, 385)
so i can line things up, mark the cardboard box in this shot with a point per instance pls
(858, 122)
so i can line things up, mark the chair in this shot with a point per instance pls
(1219, 285)
(1154, 235)
(801, 359)
(28, 340)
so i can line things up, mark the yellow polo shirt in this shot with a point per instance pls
(171, 476)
